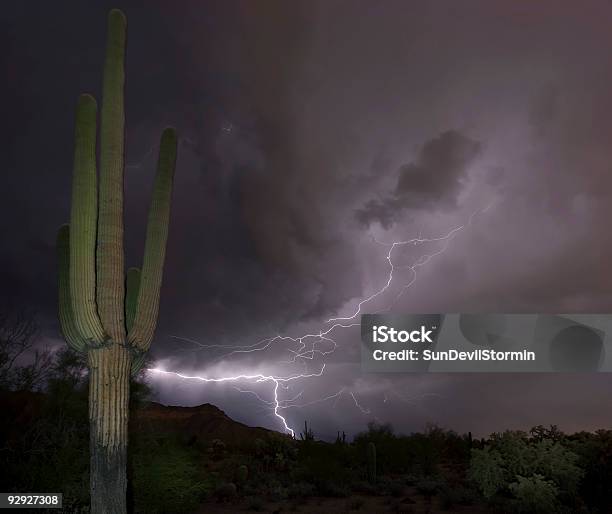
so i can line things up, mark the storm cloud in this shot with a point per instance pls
(434, 180)
(310, 133)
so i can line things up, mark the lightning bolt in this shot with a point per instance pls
(256, 377)
(362, 409)
(321, 343)
(417, 240)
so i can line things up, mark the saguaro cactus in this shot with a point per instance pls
(105, 313)
(372, 462)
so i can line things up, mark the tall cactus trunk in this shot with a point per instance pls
(104, 313)
(109, 394)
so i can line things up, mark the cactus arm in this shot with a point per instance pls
(83, 214)
(155, 245)
(131, 300)
(137, 363)
(66, 316)
(110, 257)
(131, 296)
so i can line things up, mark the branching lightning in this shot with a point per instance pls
(257, 378)
(321, 344)
(362, 409)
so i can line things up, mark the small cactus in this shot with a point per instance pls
(242, 475)
(371, 463)
(308, 434)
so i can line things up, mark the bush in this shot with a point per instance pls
(167, 480)
(595, 458)
(365, 487)
(300, 490)
(535, 494)
(559, 464)
(487, 471)
(255, 503)
(429, 487)
(536, 472)
(279, 493)
(327, 467)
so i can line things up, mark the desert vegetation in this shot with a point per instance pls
(198, 460)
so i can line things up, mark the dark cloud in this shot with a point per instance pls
(306, 132)
(434, 180)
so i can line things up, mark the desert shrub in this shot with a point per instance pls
(422, 454)
(255, 503)
(364, 487)
(217, 449)
(535, 494)
(279, 493)
(412, 478)
(167, 480)
(326, 467)
(533, 471)
(50, 451)
(387, 447)
(552, 433)
(560, 465)
(595, 458)
(276, 444)
(516, 452)
(418, 453)
(429, 487)
(300, 490)
(487, 471)
(274, 453)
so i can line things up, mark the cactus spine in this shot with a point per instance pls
(372, 462)
(104, 313)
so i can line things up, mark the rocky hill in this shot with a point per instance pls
(199, 424)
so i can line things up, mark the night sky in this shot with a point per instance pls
(306, 130)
